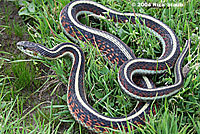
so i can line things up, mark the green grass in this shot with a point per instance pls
(33, 98)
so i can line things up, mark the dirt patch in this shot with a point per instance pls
(12, 28)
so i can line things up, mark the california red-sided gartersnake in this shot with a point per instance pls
(115, 51)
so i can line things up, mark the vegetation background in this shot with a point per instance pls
(32, 92)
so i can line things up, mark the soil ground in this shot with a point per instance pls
(13, 30)
(11, 25)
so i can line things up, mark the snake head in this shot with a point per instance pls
(29, 48)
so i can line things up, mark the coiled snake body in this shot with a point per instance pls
(117, 53)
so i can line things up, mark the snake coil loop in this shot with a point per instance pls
(116, 52)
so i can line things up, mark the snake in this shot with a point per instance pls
(116, 52)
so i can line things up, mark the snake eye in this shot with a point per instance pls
(24, 47)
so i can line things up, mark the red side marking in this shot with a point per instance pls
(126, 127)
(63, 16)
(94, 38)
(135, 92)
(72, 105)
(151, 95)
(145, 94)
(102, 123)
(90, 9)
(126, 86)
(72, 34)
(70, 108)
(70, 81)
(101, 48)
(76, 111)
(69, 100)
(164, 67)
(141, 95)
(63, 23)
(97, 129)
(67, 28)
(75, 114)
(117, 59)
(161, 93)
(159, 68)
(88, 123)
(80, 37)
(89, 118)
(143, 67)
(76, 105)
(122, 60)
(84, 125)
(81, 111)
(150, 68)
(97, 124)
(82, 121)
(69, 93)
(105, 52)
(115, 128)
(82, 117)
